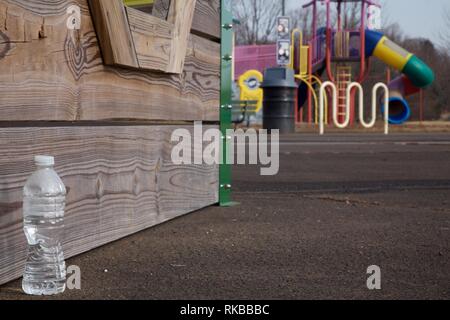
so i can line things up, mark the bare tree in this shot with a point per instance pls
(258, 19)
(302, 19)
(350, 17)
(394, 32)
(445, 33)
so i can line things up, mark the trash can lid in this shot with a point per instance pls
(279, 77)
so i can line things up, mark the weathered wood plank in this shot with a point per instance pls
(116, 41)
(113, 32)
(48, 7)
(181, 13)
(152, 39)
(145, 8)
(206, 21)
(120, 180)
(61, 76)
(161, 9)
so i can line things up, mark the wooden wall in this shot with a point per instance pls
(109, 128)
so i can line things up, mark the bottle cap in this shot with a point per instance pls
(44, 160)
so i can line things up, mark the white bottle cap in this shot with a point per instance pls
(44, 160)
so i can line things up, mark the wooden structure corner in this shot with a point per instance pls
(134, 39)
(92, 83)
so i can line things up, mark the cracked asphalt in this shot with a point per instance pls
(340, 203)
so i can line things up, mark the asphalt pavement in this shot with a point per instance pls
(340, 203)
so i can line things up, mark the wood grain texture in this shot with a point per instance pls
(145, 8)
(161, 9)
(181, 14)
(113, 32)
(152, 39)
(113, 27)
(120, 180)
(162, 45)
(206, 21)
(47, 8)
(61, 77)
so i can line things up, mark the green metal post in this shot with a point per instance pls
(225, 104)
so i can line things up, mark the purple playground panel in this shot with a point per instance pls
(260, 57)
(318, 45)
(254, 57)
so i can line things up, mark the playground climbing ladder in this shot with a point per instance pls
(344, 78)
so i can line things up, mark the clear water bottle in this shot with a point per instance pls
(43, 214)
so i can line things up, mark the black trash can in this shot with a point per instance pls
(280, 89)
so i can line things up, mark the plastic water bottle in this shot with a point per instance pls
(43, 214)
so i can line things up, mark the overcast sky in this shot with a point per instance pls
(417, 18)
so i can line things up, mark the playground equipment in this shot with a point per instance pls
(416, 73)
(250, 97)
(250, 87)
(254, 57)
(335, 49)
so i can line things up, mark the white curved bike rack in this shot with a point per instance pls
(358, 86)
(322, 96)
